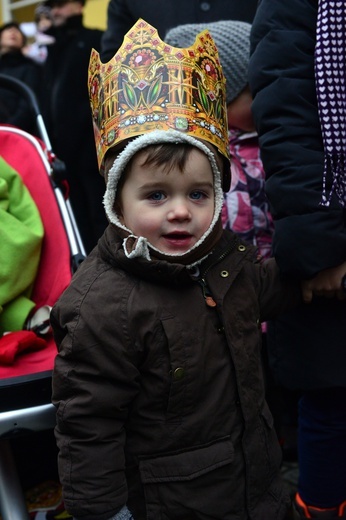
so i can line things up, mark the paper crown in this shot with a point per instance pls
(149, 85)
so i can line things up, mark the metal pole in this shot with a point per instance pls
(12, 502)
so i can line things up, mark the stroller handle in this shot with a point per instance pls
(26, 92)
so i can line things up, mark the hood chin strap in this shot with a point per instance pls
(140, 247)
(136, 247)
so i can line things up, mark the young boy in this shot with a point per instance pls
(158, 384)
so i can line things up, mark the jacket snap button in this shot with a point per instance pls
(178, 373)
(205, 6)
(224, 274)
(241, 248)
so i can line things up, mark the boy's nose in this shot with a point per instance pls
(179, 211)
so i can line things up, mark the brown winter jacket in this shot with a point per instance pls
(160, 397)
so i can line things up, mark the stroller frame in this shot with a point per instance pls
(22, 413)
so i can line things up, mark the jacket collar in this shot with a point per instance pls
(161, 271)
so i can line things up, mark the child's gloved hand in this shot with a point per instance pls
(123, 514)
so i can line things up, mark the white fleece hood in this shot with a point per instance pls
(140, 246)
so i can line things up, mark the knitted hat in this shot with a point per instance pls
(42, 10)
(232, 39)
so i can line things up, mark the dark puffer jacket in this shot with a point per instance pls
(123, 14)
(66, 109)
(307, 346)
(160, 397)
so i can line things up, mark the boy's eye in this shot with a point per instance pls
(156, 196)
(197, 195)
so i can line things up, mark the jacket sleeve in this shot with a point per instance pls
(94, 383)
(308, 237)
(277, 293)
(119, 22)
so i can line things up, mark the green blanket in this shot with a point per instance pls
(21, 235)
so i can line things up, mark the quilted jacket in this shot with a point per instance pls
(307, 345)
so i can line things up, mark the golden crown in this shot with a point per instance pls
(149, 85)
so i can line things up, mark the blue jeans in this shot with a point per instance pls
(322, 447)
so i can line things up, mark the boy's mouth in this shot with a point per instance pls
(177, 235)
(178, 238)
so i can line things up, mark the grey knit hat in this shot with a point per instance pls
(232, 39)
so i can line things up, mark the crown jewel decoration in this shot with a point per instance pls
(150, 85)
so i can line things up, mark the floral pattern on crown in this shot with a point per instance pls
(149, 85)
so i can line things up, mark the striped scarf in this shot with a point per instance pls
(330, 79)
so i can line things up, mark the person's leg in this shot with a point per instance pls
(322, 451)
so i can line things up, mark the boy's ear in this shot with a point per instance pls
(118, 210)
(108, 162)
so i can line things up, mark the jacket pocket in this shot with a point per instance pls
(179, 484)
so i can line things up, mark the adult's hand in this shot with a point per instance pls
(328, 283)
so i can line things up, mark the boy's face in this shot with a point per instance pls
(172, 209)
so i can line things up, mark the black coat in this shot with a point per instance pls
(164, 15)
(307, 347)
(67, 113)
(14, 108)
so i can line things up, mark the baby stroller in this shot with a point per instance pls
(25, 386)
